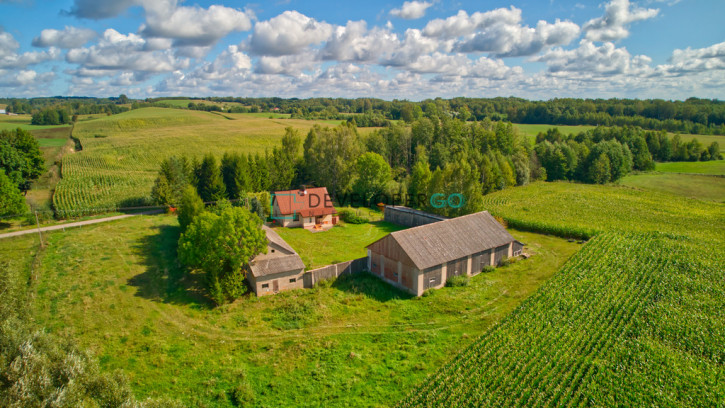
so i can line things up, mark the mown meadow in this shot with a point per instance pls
(633, 319)
(117, 289)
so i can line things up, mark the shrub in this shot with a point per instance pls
(505, 261)
(351, 217)
(457, 281)
(488, 269)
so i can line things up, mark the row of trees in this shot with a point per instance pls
(433, 156)
(72, 105)
(604, 155)
(699, 116)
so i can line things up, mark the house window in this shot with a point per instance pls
(293, 280)
(517, 253)
(395, 274)
(297, 216)
(265, 286)
(432, 280)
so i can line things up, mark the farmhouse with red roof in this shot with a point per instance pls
(309, 208)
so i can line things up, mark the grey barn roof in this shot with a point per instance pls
(280, 257)
(443, 241)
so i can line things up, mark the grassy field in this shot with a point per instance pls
(121, 153)
(532, 130)
(343, 242)
(705, 139)
(688, 185)
(709, 167)
(585, 210)
(634, 319)
(118, 290)
(23, 122)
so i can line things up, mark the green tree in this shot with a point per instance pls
(11, 199)
(20, 157)
(714, 150)
(332, 156)
(209, 180)
(221, 245)
(600, 170)
(174, 176)
(190, 207)
(420, 178)
(284, 161)
(373, 176)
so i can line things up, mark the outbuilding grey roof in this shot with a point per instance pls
(280, 257)
(447, 240)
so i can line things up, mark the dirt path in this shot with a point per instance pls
(74, 224)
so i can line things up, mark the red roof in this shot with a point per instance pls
(312, 202)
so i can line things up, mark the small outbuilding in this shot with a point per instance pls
(309, 208)
(425, 257)
(281, 268)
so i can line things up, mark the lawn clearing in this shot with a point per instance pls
(356, 342)
(344, 242)
(530, 131)
(689, 185)
(706, 167)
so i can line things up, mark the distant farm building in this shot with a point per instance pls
(277, 270)
(409, 217)
(309, 208)
(425, 257)
(2, 112)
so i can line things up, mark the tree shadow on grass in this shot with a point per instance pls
(366, 284)
(5, 225)
(165, 280)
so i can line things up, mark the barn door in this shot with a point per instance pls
(275, 286)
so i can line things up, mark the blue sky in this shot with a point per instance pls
(389, 49)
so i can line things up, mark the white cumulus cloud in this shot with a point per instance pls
(411, 10)
(288, 33)
(69, 37)
(618, 16)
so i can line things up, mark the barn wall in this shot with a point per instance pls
(500, 253)
(283, 282)
(518, 248)
(396, 273)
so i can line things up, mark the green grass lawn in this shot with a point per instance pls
(688, 185)
(117, 289)
(343, 242)
(530, 131)
(706, 167)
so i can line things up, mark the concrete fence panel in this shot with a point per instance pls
(311, 278)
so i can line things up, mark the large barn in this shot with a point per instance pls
(425, 257)
(277, 270)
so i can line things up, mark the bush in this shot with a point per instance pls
(429, 292)
(351, 217)
(488, 269)
(505, 261)
(457, 281)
